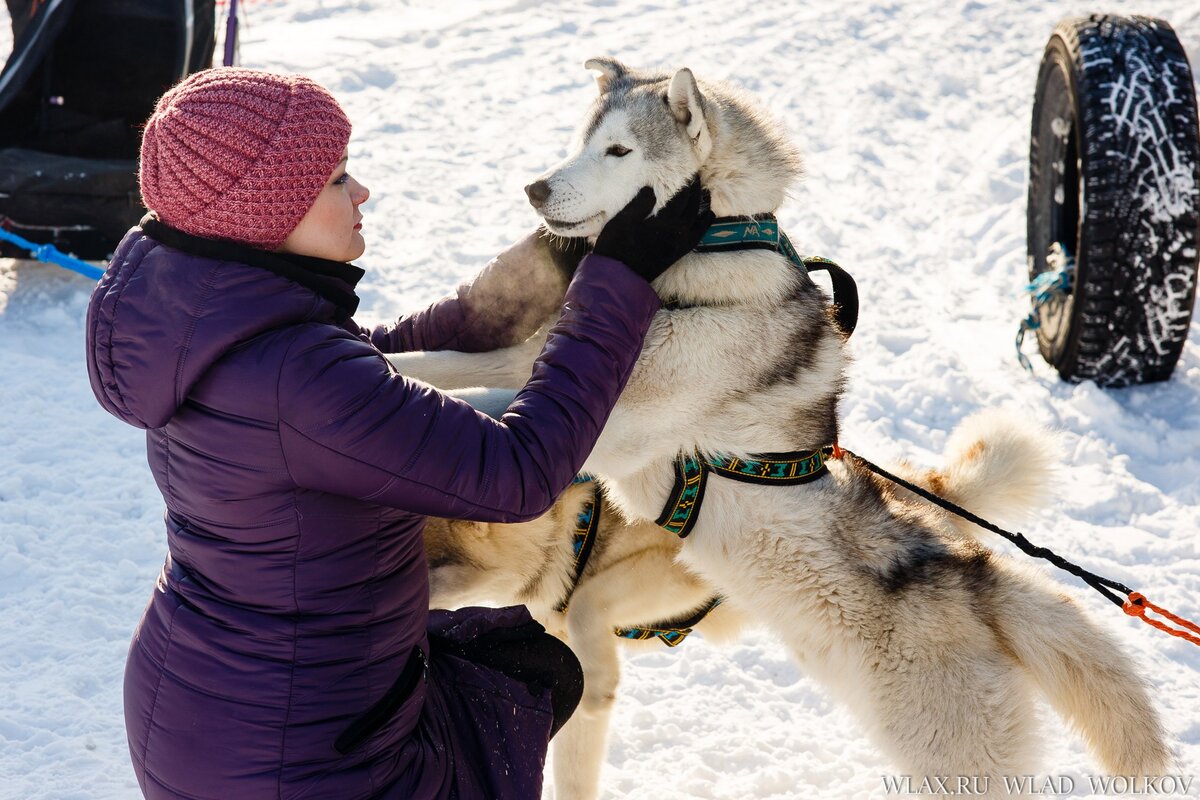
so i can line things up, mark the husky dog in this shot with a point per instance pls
(935, 642)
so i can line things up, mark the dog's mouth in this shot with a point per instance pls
(565, 228)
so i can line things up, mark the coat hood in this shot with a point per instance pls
(171, 305)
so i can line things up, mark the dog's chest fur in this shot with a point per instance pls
(750, 362)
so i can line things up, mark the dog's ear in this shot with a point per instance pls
(687, 105)
(610, 70)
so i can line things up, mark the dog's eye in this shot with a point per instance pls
(618, 151)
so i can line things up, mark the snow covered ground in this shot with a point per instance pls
(914, 117)
(6, 37)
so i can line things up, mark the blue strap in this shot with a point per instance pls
(587, 526)
(1052, 285)
(50, 253)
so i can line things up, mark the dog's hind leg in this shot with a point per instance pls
(953, 711)
(935, 687)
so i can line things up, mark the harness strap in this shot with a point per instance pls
(845, 290)
(587, 526)
(671, 633)
(587, 523)
(679, 514)
(682, 508)
(762, 232)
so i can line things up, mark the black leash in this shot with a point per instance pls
(1102, 585)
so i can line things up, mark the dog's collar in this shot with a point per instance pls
(761, 232)
(682, 508)
(758, 232)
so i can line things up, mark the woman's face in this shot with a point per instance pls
(332, 227)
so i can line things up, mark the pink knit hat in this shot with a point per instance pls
(240, 154)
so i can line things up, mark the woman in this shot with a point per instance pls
(286, 650)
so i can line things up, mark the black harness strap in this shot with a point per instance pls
(587, 527)
(845, 290)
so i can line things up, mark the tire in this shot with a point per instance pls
(1114, 176)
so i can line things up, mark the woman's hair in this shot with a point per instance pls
(240, 154)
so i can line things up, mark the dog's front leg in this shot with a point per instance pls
(580, 747)
(506, 368)
(493, 402)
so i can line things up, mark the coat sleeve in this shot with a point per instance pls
(504, 304)
(350, 425)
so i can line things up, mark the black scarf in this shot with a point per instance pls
(332, 280)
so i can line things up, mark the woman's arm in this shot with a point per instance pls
(350, 425)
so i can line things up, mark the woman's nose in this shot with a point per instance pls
(361, 194)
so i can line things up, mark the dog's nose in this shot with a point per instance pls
(538, 193)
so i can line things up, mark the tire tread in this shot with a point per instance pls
(1135, 284)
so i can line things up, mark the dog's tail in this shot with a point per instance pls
(1082, 672)
(996, 467)
(1001, 469)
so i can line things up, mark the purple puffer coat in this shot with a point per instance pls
(296, 466)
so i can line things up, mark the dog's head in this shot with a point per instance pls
(656, 129)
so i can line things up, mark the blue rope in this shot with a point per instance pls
(50, 253)
(1053, 284)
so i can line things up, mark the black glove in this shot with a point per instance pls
(648, 245)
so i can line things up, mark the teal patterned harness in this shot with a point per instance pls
(583, 540)
(672, 633)
(587, 523)
(742, 233)
(682, 508)
(762, 232)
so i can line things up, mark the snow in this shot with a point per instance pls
(6, 35)
(914, 120)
